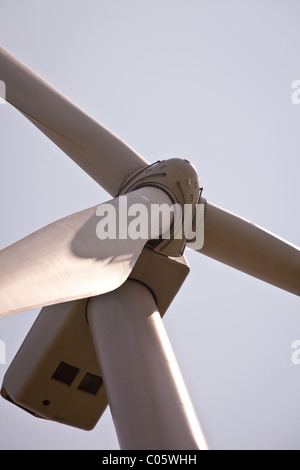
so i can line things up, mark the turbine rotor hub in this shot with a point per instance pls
(179, 180)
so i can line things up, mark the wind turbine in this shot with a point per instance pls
(99, 338)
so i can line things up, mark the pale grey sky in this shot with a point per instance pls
(207, 80)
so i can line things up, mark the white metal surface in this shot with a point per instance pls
(63, 340)
(150, 405)
(94, 148)
(55, 374)
(251, 249)
(66, 260)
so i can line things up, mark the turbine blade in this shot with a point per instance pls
(100, 153)
(66, 260)
(244, 246)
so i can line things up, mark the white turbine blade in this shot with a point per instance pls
(244, 246)
(95, 149)
(66, 260)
